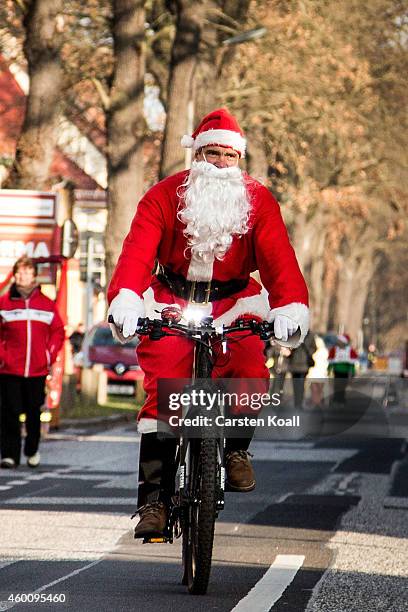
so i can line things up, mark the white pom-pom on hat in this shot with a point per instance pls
(187, 141)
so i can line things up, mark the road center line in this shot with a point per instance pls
(272, 584)
(5, 605)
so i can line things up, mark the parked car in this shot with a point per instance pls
(120, 361)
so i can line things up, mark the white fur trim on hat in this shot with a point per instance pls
(343, 339)
(226, 138)
(299, 313)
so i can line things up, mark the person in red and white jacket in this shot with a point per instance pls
(31, 335)
(208, 228)
(342, 362)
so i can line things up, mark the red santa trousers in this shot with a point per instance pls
(172, 357)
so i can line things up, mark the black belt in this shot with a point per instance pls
(200, 292)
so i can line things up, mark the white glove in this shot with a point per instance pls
(286, 320)
(284, 327)
(126, 308)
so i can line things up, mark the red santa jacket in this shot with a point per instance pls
(157, 233)
(31, 333)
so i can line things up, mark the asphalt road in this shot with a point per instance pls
(325, 529)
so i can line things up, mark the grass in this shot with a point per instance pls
(115, 405)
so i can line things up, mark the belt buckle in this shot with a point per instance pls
(207, 292)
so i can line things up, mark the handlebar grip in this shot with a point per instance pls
(112, 321)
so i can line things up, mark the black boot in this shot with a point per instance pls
(156, 482)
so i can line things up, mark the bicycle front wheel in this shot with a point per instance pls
(198, 536)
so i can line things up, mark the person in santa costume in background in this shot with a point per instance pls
(342, 362)
(213, 223)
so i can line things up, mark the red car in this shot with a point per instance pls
(124, 373)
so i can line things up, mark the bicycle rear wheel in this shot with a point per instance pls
(198, 534)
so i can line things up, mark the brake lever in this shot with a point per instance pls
(142, 325)
(111, 320)
(266, 330)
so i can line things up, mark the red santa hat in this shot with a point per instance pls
(217, 128)
(344, 338)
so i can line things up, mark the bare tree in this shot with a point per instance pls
(43, 23)
(183, 62)
(196, 63)
(125, 123)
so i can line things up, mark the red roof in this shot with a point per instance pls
(12, 109)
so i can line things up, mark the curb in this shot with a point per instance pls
(95, 421)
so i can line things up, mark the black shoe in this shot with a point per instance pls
(153, 520)
(8, 463)
(240, 473)
(34, 460)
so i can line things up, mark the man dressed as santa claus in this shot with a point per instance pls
(208, 228)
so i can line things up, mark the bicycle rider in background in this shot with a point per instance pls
(208, 228)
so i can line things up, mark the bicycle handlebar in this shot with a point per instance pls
(158, 328)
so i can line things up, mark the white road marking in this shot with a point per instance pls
(5, 605)
(319, 455)
(6, 563)
(17, 482)
(346, 481)
(94, 438)
(70, 501)
(272, 584)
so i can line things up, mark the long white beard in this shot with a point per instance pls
(215, 207)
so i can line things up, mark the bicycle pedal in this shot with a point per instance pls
(157, 540)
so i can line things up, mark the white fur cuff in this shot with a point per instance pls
(297, 312)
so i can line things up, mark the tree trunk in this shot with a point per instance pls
(316, 288)
(180, 92)
(354, 278)
(196, 63)
(257, 158)
(214, 57)
(304, 235)
(36, 144)
(210, 57)
(125, 125)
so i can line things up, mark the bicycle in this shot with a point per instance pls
(200, 471)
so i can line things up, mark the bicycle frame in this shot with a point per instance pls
(200, 475)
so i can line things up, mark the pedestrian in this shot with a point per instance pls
(31, 335)
(209, 228)
(300, 360)
(76, 338)
(317, 374)
(279, 369)
(342, 362)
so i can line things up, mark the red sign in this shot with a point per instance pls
(28, 226)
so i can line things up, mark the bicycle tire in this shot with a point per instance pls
(198, 535)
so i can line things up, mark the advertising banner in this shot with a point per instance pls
(28, 226)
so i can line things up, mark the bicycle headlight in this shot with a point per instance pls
(195, 313)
